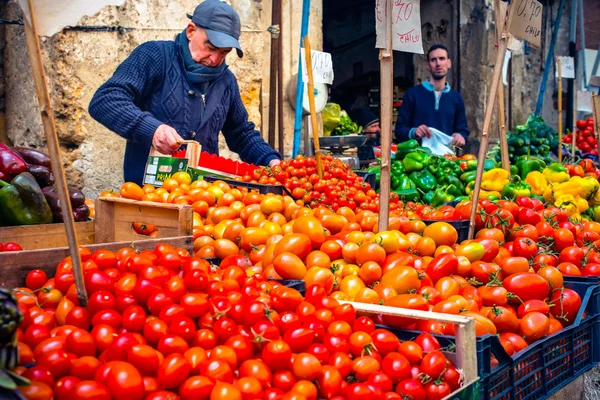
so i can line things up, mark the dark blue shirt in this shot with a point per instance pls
(150, 88)
(420, 106)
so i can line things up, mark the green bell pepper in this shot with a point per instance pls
(406, 183)
(415, 161)
(594, 213)
(397, 167)
(428, 197)
(471, 165)
(408, 194)
(394, 182)
(515, 189)
(22, 202)
(513, 169)
(405, 148)
(441, 196)
(468, 176)
(424, 180)
(455, 191)
(527, 166)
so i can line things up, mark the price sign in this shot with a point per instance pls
(567, 67)
(322, 67)
(584, 101)
(406, 25)
(525, 18)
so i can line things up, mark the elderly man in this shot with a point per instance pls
(433, 104)
(167, 91)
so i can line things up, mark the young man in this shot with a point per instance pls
(433, 104)
(166, 91)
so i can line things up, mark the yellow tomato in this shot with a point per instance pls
(182, 178)
(351, 285)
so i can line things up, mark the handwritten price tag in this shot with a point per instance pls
(322, 67)
(567, 67)
(406, 25)
(526, 21)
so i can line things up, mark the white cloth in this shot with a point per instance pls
(439, 142)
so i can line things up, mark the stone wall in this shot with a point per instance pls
(78, 62)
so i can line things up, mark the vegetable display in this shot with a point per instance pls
(28, 195)
(346, 126)
(585, 139)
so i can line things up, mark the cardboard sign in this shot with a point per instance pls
(525, 18)
(584, 101)
(322, 67)
(51, 16)
(567, 67)
(406, 25)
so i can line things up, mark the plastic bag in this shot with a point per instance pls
(438, 143)
(331, 118)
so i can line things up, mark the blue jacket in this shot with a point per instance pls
(421, 107)
(150, 88)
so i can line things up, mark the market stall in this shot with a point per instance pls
(307, 279)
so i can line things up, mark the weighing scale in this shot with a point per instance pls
(339, 145)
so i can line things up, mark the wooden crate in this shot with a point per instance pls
(45, 236)
(112, 229)
(15, 265)
(465, 357)
(113, 223)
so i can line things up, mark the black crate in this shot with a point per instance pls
(262, 188)
(544, 367)
(368, 177)
(461, 226)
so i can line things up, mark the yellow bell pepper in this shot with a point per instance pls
(548, 193)
(567, 202)
(537, 181)
(572, 187)
(595, 199)
(556, 173)
(582, 204)
(495, 179)
(488, 194)
(576, 218)
(591, 186)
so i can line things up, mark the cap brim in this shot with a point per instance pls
(224, 41)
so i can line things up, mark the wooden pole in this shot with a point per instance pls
(574, 120)
(596, 110)
(386, 60)
(275, 54)
(280, 131)
(487, 121)
(39, 78)
(311, 101)
(560, 110)
(500, 8)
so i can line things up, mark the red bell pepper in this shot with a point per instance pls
(11, 163)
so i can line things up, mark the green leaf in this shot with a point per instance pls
(6, 381)
(20, 381)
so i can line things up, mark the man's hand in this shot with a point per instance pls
(459, 140)
(423, 131)
(165, 139)
(274, 162)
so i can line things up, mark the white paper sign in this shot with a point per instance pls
(567, 67)
(51, 16)
(322, 67)
(406, 25)
(584, 101)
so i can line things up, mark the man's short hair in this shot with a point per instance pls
(437, 47)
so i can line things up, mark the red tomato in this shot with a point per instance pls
(174, 370)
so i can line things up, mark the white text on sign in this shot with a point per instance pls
(406, 25)
(526, 20)
(322, 67)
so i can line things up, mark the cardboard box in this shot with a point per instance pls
(159, 168)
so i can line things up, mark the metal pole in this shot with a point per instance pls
(582, 35)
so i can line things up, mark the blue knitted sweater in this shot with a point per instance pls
(420, 106)
(151, 88)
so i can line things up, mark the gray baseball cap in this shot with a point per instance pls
(221, 22)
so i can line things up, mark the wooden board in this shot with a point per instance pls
(115, 216)
(45, 236)
(466, 340)
(14, 266)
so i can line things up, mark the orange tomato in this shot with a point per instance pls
(170, 184)
(182, 178)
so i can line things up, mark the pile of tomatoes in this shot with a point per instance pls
(340, 186)
(585, 139)
(163, 325)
